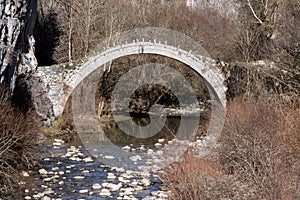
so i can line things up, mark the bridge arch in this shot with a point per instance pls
(62, 81)
(203, 66)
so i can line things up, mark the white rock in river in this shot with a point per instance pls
(114, 187)
(157, 145)
(161, 140)
(111, 176)
(150, 151)
(38, 195)
(96, 186)
(145, 181)
(25, 174)
(104, 192)
(79, 177)
(83, 191)
(109, 157)
(46, 198)
(43, 172)
(56, 144)
(27, 197)
(88, 159)
(117, 169)
(47, 179)
(126, 148)
(135, 158)
(59, 140)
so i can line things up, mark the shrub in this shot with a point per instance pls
(257, 156)
(18, 141)
(197, 178)
(259, 147)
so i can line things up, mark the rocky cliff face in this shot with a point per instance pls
(17, 59)
(16, 41)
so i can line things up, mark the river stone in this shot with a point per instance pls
(150, 151)
(88, 159)
(84, 191)
(55, 168)
(96, 186)
(117, 169)
(146, 182)
(27, 197)
(59, 140)
(135, 158)
(79, 177)
(126, 148)
(109, 157)
(111, 176)
(46, 198)
(157, 145)
(47, 179)
(114, 187)
(56, 144)
(43, 172)
(38, 195)
(104, 192)
(162, 140)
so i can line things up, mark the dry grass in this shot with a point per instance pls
(18, 141)
(258, 156)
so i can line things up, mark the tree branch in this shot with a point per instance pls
(254, 14)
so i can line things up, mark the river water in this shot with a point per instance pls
(120, 170)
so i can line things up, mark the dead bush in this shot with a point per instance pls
(18, 141)
(257, 156)
(196, 178)
(258, 147)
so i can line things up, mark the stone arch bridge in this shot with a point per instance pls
(60, 81)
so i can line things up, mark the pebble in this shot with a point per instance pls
(111, 176)
(161, 140)
(79, 177)
(96, 186)
(43, 172)
(104, 192)
(38, 195)
(88, 159)
(145, 181)
(47, 179)
(150, 151)
(109, 157)
(56, 144)
(157, 145)
(114, 187)
(126, 148)
(46, 198)
(135, 158)
(59, 140)
(84, 191)
(27, 197)
(25, 174)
